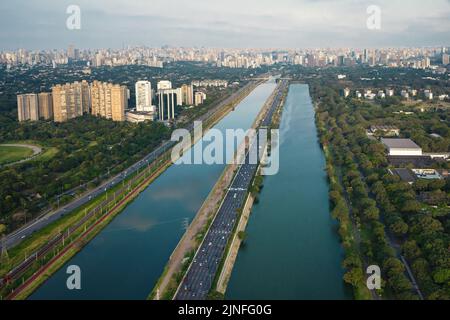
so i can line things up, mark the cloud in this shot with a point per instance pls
(232, 23)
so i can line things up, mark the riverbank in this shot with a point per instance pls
(163, 163)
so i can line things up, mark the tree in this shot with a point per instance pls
(411, 250)
(352, 261)
(215, 296)
(442, 276)
(399, 227)
(399, 283)
(354, 277)
(371, 213)
(242, 235)
(393, 267)
(421, 185)
(2, 229)
(411, 206)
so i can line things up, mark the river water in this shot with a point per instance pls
(126, 259)
(292, 250)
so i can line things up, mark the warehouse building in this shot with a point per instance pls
(402, 147)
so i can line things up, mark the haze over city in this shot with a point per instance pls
(251, 23)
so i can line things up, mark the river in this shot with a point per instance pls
(127, 257)
(292, 251)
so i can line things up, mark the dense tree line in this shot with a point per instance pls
(381, 204)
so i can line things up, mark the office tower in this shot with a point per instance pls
(164, 85)
(109, 100)
(445, 59)
(384, 58)
(119, 102)
(366, 56)
(45, 105)
(67, 101)
(426, 63)
(98, 61)
(71, 52)
(187, 93)
(100, 99)
(28, 107)
(199, 98)
(167, 100)
(85, 96)
(143, 96)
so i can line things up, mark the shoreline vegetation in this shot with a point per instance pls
(368, 203)
(47, 266)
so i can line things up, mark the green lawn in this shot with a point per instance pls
(13, 154)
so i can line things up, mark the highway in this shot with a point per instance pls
(19, 235)
(199, 278)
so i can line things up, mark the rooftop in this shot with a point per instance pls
(406, 175)
(400, 143)
(383, 127)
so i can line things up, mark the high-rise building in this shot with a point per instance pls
(71, 52)
(67, 101)
(366, 56)
(85, 96)
(28, 107)
(98, 61)
(426, 63)
(109, 100)
(445, 59)
(199, 98)
(143, 96)
(164, 85)
(187, 94)
(119, 102)
(45, 105)
(168, 99)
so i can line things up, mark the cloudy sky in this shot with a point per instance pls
(41, 24)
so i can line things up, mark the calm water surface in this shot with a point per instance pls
(292, 250)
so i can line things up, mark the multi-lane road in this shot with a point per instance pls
(16, 237)
(199, 278)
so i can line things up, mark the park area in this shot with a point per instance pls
(11, 153)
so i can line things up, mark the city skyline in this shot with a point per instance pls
(231, 24)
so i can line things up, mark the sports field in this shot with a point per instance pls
(10, 154)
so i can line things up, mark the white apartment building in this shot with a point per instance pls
(143, 96)
(164, 85)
